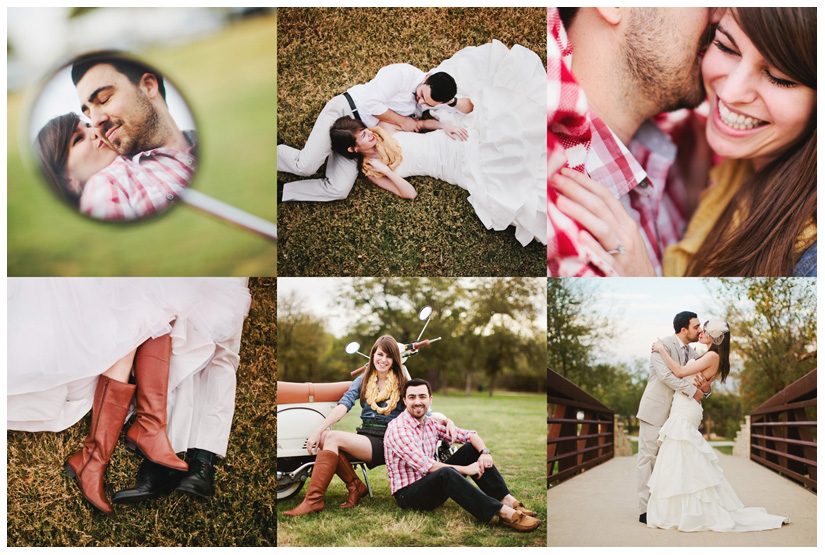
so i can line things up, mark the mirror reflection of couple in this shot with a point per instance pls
(728, 189)
(132, 160)
(679, 481)
(399, 431)
(486, 137)
(163, 348)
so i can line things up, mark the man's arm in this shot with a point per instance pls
(667, 377)
(464, 105)
(405, 123)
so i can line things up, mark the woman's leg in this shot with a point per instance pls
(88, 466)
(148, 433)
(120, 370)
(359, 447)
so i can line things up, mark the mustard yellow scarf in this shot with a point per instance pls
(725, 181)
(389, 392)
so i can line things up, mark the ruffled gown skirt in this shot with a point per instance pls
(688, 490)
(503, 165)
(64, 332)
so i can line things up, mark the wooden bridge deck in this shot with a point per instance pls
(599, 508)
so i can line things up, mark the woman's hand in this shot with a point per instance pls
(456, 133)
(379, 166)
(657, 346)
(314, 441)
(451, 429)
(609, 231)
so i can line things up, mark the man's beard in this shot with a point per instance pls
(662, 82)
(142, 134)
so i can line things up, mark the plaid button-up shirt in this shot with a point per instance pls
(132, 188)
(642, 176)
(409, 447)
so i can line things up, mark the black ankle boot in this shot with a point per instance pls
(199, 480)
(152, 480)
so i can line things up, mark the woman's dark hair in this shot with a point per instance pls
(389, 346)
(723, 350)
(442, 86)
(342, 136)
(775, 205)
(52, 149)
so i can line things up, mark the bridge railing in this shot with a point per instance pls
(783, 432)
(579, 430)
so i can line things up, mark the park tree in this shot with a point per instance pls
(303, 341)
(572, 330)
(773, 330)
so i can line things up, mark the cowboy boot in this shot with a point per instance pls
(357, 489)
(88, 466)
(148, 433)
(325, 464)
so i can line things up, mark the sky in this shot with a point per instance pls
(641, 309)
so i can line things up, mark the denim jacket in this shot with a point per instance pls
(806, 267)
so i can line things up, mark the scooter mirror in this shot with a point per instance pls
(425, 313)
(113, 137)
(352, 348)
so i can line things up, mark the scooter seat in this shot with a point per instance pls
(293, 392)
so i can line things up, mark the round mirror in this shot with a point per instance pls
(425, 313)
(113, 137)
(353, 347)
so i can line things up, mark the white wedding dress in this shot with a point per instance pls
(64, 332)
(688, 490)
(503, 165)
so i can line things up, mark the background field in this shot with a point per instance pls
(229, 79)
(323, 52)
(45, 508)
(512, 425)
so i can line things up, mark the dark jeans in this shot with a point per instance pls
(447, 483)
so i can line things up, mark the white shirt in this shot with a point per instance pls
(392, 88)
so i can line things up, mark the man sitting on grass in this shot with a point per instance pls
(418, 481)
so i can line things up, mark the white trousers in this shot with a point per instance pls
(201, 407)
(340, 173)
(648, 449)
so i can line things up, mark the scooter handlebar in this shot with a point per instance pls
(424, 343)
(358, 370)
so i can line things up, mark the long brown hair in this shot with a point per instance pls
(757, 232)
(52, 148)
(389, 346)
(342, 136)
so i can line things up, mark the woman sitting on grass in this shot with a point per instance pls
(379, 391)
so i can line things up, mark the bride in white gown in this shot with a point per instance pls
(496, 152)
(72, 342)
(688, 490)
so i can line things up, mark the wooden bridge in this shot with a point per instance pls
(592, 501)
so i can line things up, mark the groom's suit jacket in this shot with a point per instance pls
(654, 407)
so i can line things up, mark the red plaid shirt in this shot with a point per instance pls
(409, 447)
(640, 176)
(132, 188)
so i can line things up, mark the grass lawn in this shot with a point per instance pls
(45, 507)
(512, 425)
(234, 105)
(323, 52)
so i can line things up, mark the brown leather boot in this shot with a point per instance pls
(87, 466)
(148, 433)
(325, 464)
(357, 489)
